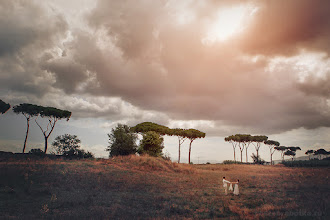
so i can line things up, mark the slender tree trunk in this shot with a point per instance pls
(179, 150)
(46, 144)
(234, 154)
(257, 155)
(242, 156)
(246, 154)
(190, 150)
(27, 133)
(271, 159)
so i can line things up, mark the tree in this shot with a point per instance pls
(234, 143)
(309, 153)
(4, 107)
(29, 111)
(291, 151)
(65, 143)
(239, 141)
(193, 134)
(53, 115)
(272, 144)
(282, 149)
(182, 136)
(320, 152)
(258, 139)
(122, 141)
(246, 140)
(150, 126)
(152, 144)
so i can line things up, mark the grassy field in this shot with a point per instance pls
(151, 188)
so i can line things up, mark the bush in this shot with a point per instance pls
(257, 159)
(122, 141)
(65, 143)
(77, 154)
(231, 162)
(69, 146)
(152, 144)
(37, 152)
(307, 163)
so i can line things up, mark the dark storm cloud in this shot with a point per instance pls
(27, 31)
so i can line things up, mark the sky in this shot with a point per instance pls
(220, 66)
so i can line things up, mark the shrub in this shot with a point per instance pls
(307, 163)
(122, 141)
(77, 154)
(257, 159)
(231, 162)
(37, 152)
(152, 144)
(69, 146)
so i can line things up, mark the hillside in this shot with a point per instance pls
(145, 187)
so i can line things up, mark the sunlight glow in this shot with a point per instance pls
(228, 22)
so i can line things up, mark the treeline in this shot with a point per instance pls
(122, 139)
(243, 141)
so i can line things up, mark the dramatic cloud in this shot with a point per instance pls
(283, 27)
(131, 61)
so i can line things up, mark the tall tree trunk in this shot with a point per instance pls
(190, 150)
(271, 159)
(242, 156)
(257, 155)
(179, 151)
(234, 154)
(27, 133)
(246, 154)
(46, 144)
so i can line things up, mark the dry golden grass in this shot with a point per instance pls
(147, 187)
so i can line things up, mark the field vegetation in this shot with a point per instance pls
(132, 186)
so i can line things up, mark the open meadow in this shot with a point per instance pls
(152, 188)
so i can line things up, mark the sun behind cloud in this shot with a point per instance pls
(229, 22)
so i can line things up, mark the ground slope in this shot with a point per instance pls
(145, 187)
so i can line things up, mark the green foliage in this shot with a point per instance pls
(257, 159)
(37, 152)
(290, 153)
(122, 141)
(232, 162)
(308, 152)
(321, 152)
(68, 146)
(65, 143)
(27, 109)
(152, 144)
(77, 154)
(193, 134)
(150, 126)
(259, 138)
(4, 107)
(272, 143)
(281, 148)
(307, 163)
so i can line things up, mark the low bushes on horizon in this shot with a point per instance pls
(307, 163)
